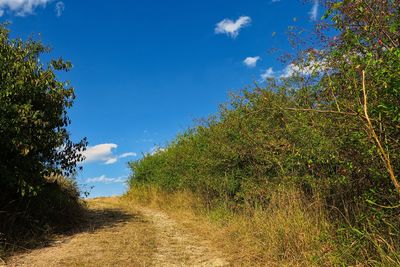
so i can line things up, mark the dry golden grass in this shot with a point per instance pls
(290, 232)
(132, 231)
(115, 236)
(122, 233)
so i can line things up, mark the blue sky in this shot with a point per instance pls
(145, 70)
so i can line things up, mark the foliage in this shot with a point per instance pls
(331, 130)
(34, 143)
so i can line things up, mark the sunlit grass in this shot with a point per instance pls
(289, 232)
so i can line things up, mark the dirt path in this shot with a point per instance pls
(119, 235)
(177, 247)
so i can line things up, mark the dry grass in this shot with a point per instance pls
(290, 232)
(115, 236)
(133, 232)
(32, 221)
(122, 233)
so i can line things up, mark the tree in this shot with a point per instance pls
(34, 141)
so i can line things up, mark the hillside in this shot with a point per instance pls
(299, 168)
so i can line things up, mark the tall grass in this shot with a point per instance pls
(291, 231)
(237, 162)
(29, 222)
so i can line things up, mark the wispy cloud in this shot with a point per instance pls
(60, 6)
(314, 10)
(251, 62)
(313, 67)
(289, 71)
(268, 73)
(156, 150)
(21, 7)
(106, 180)
(126, 155)
(230, 27)
(104, 153)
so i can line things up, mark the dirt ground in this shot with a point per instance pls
(122, 235)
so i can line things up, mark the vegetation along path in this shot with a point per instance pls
(123, 235)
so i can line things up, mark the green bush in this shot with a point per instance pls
(34, 141)
(331, 130)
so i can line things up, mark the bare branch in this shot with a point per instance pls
(381, 150)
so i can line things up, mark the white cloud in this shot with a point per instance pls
(309, 69)
(290, 70)
(104, 153)
(111, 161)
(313, 67)
(230, 27)
(156, 150)
(106, 180)
(251, 62)
(314, 10)
(293, 69)
(60, 6)
(268, 73)
(21, 7)
(126, 155)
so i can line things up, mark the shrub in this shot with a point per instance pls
(330, 130)
(34, 141)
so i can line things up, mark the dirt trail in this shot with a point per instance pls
(177, 247)
(119, 235)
